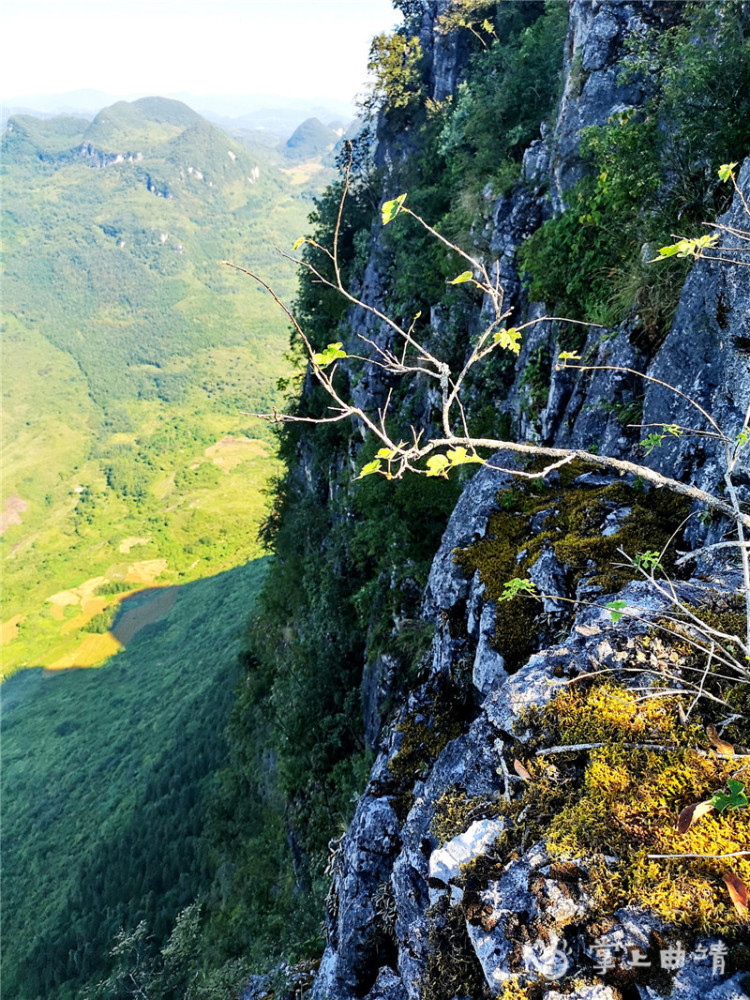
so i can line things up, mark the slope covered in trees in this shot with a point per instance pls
(129, 354)
(338, 669)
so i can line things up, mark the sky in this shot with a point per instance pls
(293, 48)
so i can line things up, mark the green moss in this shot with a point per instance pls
(518, 531)
(422, 744)
(625, 805)
(455, 812)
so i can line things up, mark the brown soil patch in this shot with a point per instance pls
(9, 629)
(13, 507)
(131, 622)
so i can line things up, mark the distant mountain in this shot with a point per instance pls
(130, 355)
(312, 140)
(265, 112)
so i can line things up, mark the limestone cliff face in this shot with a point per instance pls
(402, 915)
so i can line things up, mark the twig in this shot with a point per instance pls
(694, 702)
(733, 854)
(576, 747)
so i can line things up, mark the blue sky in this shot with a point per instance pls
(131, 47)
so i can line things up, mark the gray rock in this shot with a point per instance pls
(388, 986)
(377, 683)
(447, 583)
(550, 579)
(368, 850)
(615, 520)
(488, 671)
(707, 357)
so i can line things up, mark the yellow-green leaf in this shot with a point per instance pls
(298, 243)
(509, 340)
(386, 453)
(688, 248)
(369, 469)
(461, 457)
(726, 171)
(329, 355)
(391, 209)
(568, 356)
(437, 465)
(464, 276)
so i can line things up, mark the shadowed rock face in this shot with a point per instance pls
(517, 915)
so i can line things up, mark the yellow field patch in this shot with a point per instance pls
(93, 650)
(89, 608)
(146, 571)
(233, 451)
(9, 629)
(63, 598)
(130, 543)
(302, 172)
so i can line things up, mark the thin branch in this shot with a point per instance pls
(733, 854)
(576, 747)
(689, 556)
(656, 381)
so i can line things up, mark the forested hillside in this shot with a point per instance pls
(129, 356)
(433, 791)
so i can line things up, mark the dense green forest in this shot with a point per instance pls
(130, 355)
(109, 785)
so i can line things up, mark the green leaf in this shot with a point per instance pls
(464, 276)
(298, 243)
(648, 560)
(461, 457)
(329, 355)
(735, 800)
(689, 248)
(386, 453)
(616, 608)
(651, 442)
(726, 171)
(369, 469)
(438, 465)
(391, 209)
(512, 588)
(509, 340)
(568, 356)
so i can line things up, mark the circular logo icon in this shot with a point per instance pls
(552, 961)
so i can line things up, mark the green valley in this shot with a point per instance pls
(108, 781)
(130, 355)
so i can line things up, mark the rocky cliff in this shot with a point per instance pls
(518, 834)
